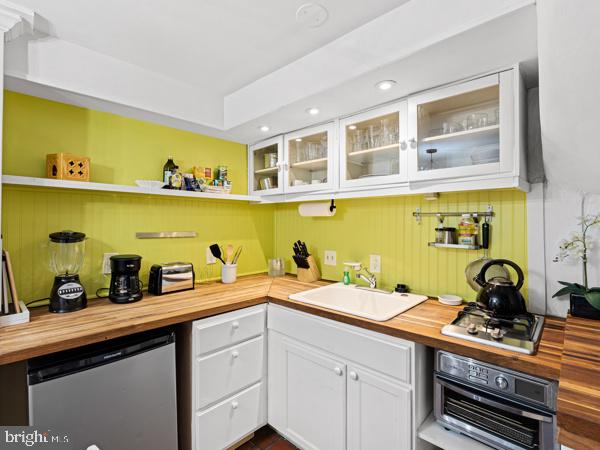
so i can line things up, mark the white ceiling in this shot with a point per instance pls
(221, 44)
(224, 67)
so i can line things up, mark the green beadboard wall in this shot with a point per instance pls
(122, 150)
(385, 226)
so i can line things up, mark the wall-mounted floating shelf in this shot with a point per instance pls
(106, 187)
(459, 246)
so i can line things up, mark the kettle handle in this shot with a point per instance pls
(481, 281)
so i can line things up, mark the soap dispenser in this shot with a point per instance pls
(346, 275)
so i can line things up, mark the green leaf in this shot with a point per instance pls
(570, 289)
(565, 283)
(593, 298)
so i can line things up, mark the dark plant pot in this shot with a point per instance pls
(580, 307)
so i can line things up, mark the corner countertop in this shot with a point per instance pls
(569, 351)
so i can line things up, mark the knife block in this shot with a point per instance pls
(311, 274)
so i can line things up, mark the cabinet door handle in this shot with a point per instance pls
(403, 145)
(413, 143)
(338, 371)
(235, 354)
(235, 325)
(234, 405)
(353, 375)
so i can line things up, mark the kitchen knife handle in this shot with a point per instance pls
(485, 235)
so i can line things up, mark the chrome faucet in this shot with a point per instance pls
(369, 277)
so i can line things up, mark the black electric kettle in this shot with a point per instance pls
(499, 295)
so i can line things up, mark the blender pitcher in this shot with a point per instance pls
(67, 250)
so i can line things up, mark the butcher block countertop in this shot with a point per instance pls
(569, 351)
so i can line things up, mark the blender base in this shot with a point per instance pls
(67, 294)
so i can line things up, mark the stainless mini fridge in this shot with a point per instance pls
(116, 395)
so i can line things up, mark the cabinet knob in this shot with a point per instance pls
(235, 325)
(403, 145)
(413, 143)
(234, 405)
(353, 375)
(338, 371)
(235, 354)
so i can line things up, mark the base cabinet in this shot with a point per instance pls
(379, 411)
(322, 395)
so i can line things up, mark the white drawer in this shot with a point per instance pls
(227, 422)
(228, 329)
(385, 354)
(222, 373)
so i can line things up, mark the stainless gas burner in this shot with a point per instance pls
(520, 333)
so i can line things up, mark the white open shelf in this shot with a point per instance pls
(105, 187)
(474, 132)
(436, 434)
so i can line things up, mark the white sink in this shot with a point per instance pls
(379, 306)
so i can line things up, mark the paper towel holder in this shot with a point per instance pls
(332, 207)
(317, 209)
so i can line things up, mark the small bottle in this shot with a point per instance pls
(167, 170)
(176, 180)
(346, 275)
(467, 231)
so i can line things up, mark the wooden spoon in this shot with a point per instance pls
(229, 253)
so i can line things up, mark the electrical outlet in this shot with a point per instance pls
(375, 263)
(210, 259)
(330, 258)
(106, 263)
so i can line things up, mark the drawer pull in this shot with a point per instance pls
(235, 325)
(234, 405)
(353, 375)
(235, 354)
(338, 371)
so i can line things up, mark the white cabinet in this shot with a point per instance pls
(335, 386)
(221, 367)
(379, 411)
(265, 167)
(373, 147)
(309, 402)
(462, 130)
(310, 157)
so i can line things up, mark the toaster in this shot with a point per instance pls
(171, 277)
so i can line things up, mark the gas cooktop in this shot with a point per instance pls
(520, 333)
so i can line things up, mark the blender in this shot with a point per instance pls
(67, 249)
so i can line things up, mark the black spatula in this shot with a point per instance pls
(216, 251)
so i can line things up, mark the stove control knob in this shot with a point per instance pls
(501, 382)
(472, 328)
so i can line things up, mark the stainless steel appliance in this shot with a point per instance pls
(125, 284)
(67, 251)
(520, 333)
(502, 408)
(171, 277)
(116, 395)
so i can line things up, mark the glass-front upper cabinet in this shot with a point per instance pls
(309, 159)
(373, 147)
(265, 162)
(462, 130)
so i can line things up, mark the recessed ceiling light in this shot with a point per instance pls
(313, 111)
(312, 15)
(385, 85)
(264, 128)
(298, 139)
(352, 127)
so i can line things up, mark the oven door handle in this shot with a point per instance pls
(489, 402)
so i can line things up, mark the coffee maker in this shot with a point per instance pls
(67, 250)
(125, 284)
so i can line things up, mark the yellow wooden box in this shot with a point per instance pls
(66, 166)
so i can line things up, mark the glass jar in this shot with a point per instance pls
(467, 230)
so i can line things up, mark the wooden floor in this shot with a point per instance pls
(267, 439)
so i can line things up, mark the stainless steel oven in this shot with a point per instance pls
(502, 408)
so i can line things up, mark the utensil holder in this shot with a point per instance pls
(15, 318)
(228, 273)
(311, 274)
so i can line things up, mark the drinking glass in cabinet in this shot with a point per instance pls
(458, 131)
(372, 147)
(308, 158)
(266, 168)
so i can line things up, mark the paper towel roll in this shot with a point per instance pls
(321, 209)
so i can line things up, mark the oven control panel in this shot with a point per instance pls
(513, 384)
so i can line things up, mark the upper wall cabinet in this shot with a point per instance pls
(462, 130)
(372, 147)
(309, 156)
(265, 166)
